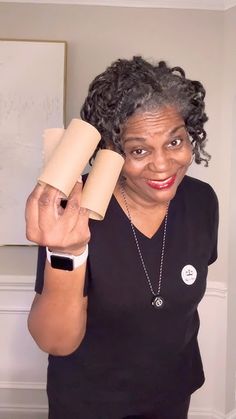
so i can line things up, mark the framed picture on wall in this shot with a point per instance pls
(32, 98)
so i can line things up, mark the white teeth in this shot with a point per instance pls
(161, 181)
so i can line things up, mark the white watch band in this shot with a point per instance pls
(74, 261)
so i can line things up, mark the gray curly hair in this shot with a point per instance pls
(134, 85)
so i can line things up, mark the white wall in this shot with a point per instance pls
(98, 35)
(23, 366)
(229, 131)
(203, 42)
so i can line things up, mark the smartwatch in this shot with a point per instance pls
(66, 261)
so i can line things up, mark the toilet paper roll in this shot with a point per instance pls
(68, 160)
(101, 183)
(51, 139)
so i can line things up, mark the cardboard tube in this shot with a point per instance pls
(70, 157)
(51, 139)
(101, 183)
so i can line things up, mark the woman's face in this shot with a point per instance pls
(157, 154)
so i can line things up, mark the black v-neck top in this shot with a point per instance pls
(134, 355)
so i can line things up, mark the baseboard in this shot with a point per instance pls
(216, 289)
(23, 412)
(41, 412)
(27, 400)
(22, 385)
(231, 415)
(23, 400)
(204, 414)
(210, 414)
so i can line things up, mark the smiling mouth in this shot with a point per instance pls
(161, 184)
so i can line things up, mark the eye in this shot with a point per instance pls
(176, 142)
(138, 152)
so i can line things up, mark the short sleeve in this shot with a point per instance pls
(214, 230)
(87, 278)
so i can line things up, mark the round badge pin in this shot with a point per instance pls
(189, 274)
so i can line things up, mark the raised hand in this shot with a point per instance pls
(49, 224)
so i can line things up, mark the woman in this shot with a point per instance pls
(121, 329)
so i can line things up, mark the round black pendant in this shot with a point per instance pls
(157, 302)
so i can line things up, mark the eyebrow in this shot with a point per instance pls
(141, 139)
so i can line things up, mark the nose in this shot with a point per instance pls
(160, 161)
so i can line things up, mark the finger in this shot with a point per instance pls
(81, 228)
(77, 190)
(75, 218)
(31, 212)
(48, 204)
(72, 208)
(64, 201)
(32, 201)
(79, 236)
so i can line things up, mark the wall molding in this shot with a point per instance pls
(228, 4)
(17, 411)
(210, 414)
(23, 412)
(216, 289)
(14, 310)
(17, 282)
(205, 414)
(220, 5)
(30, 393)
(27, 400)
(231, 415)
(16, 293)
(26, 283)
(22, 385)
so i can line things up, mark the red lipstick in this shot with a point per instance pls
(161, 184)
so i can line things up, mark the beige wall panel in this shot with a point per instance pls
(98, 35)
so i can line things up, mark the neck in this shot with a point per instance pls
(145, 217)
(136, 202)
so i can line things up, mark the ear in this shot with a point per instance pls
(192, 158)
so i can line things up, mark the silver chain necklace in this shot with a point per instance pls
(157, 301)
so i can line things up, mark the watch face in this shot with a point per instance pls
(60, 262)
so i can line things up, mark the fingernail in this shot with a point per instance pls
(79, 179)
(83, 211)
(61, 195)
